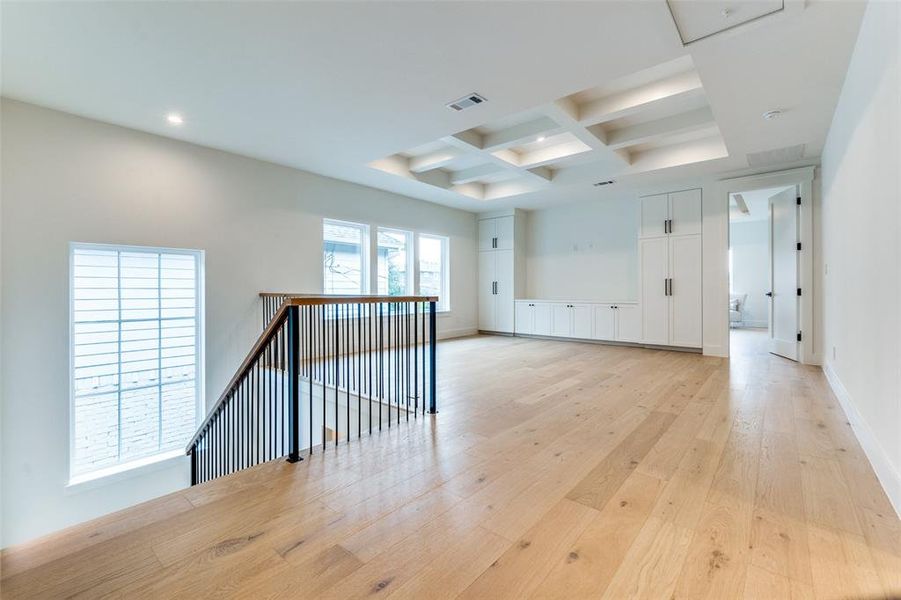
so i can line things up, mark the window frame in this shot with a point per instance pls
(365, 252)
(444, 303)
(411, 255)
(152, 461)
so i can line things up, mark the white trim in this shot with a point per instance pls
(803, 178)
(446, 334)
(886, 473)
(102, 477)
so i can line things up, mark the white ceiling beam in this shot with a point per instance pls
(475, 173)
(676, 155)
(552, 154)
(518, 134)
(433, 160)
(566, 113)
(672, 89)
(659, 128)
(471, 141)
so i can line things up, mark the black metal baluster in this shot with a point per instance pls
(359, 356)
(293, 385)
(433, 358)
(381, 370)
(322, 358)
(309, 312)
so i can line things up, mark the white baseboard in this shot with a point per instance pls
(455, 333)
(886, 473)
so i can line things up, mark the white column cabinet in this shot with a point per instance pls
(671, 290)
(500, 272)
(496, 291)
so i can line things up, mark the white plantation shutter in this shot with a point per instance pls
(135, 359)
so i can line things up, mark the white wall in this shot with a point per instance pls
(862, 253)
(66, 179)
(584, 251)
(750, 268)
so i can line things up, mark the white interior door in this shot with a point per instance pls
(654, 299)
(503, 298)
(784, 274)
(487, 304)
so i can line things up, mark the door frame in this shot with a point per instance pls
(803, 178)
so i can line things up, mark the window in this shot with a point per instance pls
(135, 351)
(345, 257)
(433, 268)
(395, 263)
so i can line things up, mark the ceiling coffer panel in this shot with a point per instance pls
(648, 120)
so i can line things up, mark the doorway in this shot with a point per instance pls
(764, 290)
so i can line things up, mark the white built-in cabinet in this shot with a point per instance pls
(668, 311)
(501, 271)
(579, 320)
(670, 247)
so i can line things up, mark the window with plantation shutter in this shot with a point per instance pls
(135, 349)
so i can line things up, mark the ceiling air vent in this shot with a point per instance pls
(600, 183)
(466, 102)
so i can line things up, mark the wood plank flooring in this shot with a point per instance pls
(554, 470)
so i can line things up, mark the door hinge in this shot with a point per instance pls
(799, 291)
(799, 246)
(799, 336)
(799, 200)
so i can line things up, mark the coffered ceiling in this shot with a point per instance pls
(577, 93)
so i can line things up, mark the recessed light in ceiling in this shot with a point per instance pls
(772, 114)
(174, 119)
(540, 138)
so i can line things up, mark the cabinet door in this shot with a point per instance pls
(654, 213)
(686, 212)
(581, 321)
(628, 323)
(685, 271)
(487, 233)
(504, 232)
(541, 318)
(504, 297)
(561, 320)
(604, 322)
(523, 318)
(487, 276)
(654, 301)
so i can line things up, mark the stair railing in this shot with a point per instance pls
(325, 369)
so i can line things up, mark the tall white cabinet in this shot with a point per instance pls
(501, 269)
(670, 247)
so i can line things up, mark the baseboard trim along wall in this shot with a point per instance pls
(455, 333)
(885, 472)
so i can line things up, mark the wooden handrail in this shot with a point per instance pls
(318, 299)
(248, 361)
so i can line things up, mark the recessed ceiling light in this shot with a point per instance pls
(174, 119)
(540, 138)
(772, 114)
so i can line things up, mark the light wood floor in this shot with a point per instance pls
(554, 470)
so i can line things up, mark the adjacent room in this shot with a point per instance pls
(452, 299)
